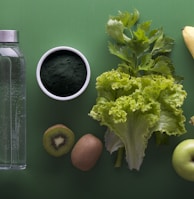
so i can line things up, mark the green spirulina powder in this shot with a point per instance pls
(63, 73)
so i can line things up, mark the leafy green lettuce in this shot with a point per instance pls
(142, 96)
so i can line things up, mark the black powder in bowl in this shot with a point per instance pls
(63, 73)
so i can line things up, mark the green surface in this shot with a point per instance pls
(81, 24)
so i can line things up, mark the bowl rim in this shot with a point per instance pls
(63, 48)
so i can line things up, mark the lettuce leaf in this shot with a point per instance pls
(133, 108)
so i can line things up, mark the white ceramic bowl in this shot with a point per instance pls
(50, 54)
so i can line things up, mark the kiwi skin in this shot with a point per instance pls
(58, 140)
(86, 152)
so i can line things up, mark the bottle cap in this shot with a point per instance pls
(9, 36)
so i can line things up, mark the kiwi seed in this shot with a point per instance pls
(58, 140)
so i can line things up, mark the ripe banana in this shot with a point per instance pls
(188, 36)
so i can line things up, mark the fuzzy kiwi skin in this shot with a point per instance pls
(62, 132)
(86, 152)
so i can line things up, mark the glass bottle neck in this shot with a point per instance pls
(9, 44)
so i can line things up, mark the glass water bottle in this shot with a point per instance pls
(12, 103)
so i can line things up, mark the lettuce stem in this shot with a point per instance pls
(119, 157)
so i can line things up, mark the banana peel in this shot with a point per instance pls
(188, 36)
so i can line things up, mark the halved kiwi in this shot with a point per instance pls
(58, 140)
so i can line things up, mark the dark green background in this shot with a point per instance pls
(44, 24)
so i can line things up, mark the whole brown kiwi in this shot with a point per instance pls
(86, 152)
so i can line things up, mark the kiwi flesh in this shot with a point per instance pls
(58, 140)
